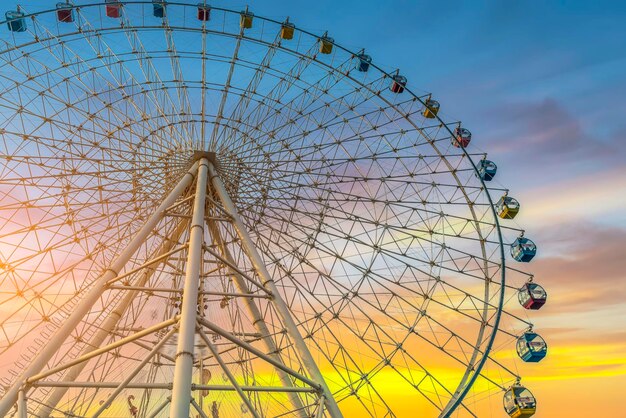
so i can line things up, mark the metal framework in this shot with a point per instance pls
(203, 218)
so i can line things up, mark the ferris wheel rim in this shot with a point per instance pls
(444, 125)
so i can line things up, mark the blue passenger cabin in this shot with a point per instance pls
(507, 207)
(15, 21)
(431, 109)
(487, 170)
(65, 12)
(532, 296)
(204, 12)
(531, 347)
(523, 250)
(461, 138)
(398, 83)
(364, 62)
(519, 402)
(158, 8)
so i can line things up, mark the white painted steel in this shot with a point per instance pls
(183, 371)
(281, 307)
(92, 296)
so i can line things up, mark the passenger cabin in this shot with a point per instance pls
(113, 9)
(531, 347)
(398, 83)
(431, 109)
(519, 402)
(65, 12)
(245, 21)
(204, 12)
(523, 250)
(487, 170)
(15, 21)
(364, 62)
(461, 138)
(287, 30)
(326, 44)
(158, 8)
(507, 207)
(532, 296)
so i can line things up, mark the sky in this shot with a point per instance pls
(542, 86)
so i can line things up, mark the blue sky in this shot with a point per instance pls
(541, 84)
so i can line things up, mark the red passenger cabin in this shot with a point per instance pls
(532, 296)
(65, 12)
(204, 12)
(113, 8)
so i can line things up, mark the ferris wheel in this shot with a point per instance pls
(208, 213)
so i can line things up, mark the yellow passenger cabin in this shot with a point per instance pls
(326, 44)
(507, 207)
(431, 109)
(246, 19)
(519, 402)
(287, 30)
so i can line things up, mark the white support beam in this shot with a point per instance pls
(228, 373)
(257, 318)
(168, 386)
(93, 295)
(102, 350)
(198, 409)
(231, 264)
(320, 408)
(22, 409)
(105, 405)
(160, 408)
(109, 324)
(183, 370)
(281, 307)
(278, 364)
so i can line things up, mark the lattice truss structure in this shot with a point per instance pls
(201, 219)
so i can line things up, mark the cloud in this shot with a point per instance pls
(546, 132)
(587, 272)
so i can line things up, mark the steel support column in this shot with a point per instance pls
(183, 370)
(228, 373)
(22, 410)
(108, 326)
(92, 296)
(105, 405)
(281, 307)
(255, 313)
